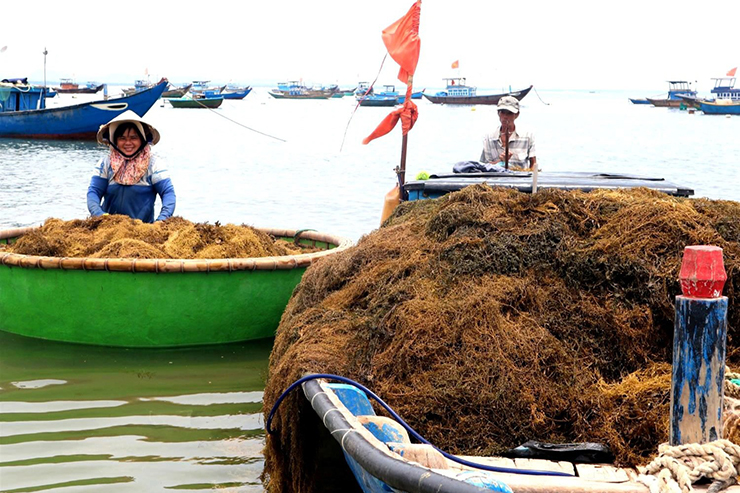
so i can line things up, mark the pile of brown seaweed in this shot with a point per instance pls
(489, 317)
(118, 236)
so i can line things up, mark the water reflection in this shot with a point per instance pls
(120, 419)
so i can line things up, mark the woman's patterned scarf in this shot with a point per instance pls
(129, 171)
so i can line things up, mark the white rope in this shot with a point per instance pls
(678, 467)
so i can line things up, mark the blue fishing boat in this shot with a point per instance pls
(296, 90)
(414, 95)
(23, 112)
(201, 86)
(720, 107)
(233, 92)
(387, 97)
(458, 92)
(382, 458)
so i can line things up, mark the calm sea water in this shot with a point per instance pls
(82, 419)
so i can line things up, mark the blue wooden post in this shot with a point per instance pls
(699, 348)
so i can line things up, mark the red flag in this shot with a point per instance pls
(402, 41)
(731, 73)
(408, 113)
(456, 64)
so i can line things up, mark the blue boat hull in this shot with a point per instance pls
(720, 109)
(79, 121)
(414, 95)
(378, 100)
(236, 94)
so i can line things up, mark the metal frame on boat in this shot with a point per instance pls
(440, 184)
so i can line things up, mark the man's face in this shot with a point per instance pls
(506, 117)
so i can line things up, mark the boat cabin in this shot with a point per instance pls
(677, 88)
(389, 90)
(19, 95)
(363, 88)
(724, 88)
(293, 88)
(68, 84)
(456, 86)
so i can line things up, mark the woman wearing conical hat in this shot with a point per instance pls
(129, 178)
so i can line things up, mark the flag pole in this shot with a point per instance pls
(401, 170)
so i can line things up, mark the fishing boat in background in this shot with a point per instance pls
(414, 95)
(720, 107)
(139, 86)
(388, 96)
(201, 86)
(176, 92)
(68, 86)
(170, 92)
(639, 101)
(296, 90)
(235, 92)
(458, 92)
(179, 302)
(24, 113)
(363, 88)
(724, 88)
(676, 89)
(208, 99)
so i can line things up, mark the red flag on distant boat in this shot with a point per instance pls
(731, 73)
(456, 64)
(402, 41)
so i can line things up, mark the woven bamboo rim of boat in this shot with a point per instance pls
(285, 262)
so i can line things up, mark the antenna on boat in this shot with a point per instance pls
(45, 53)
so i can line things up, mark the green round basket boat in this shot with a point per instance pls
(152, 302)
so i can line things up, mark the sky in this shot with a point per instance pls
(552, 44)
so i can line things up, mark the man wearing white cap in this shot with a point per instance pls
(129, 178)
(520, 144)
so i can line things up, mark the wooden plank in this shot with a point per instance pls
(602, 472)
(545, 465)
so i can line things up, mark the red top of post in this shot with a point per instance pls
(702, 272)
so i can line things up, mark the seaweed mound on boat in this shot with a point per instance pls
(489, 317)
(117, 236)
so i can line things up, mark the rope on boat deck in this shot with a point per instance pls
(411, 431)
(677, 467)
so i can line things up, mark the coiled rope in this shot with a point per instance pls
(677, 467)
